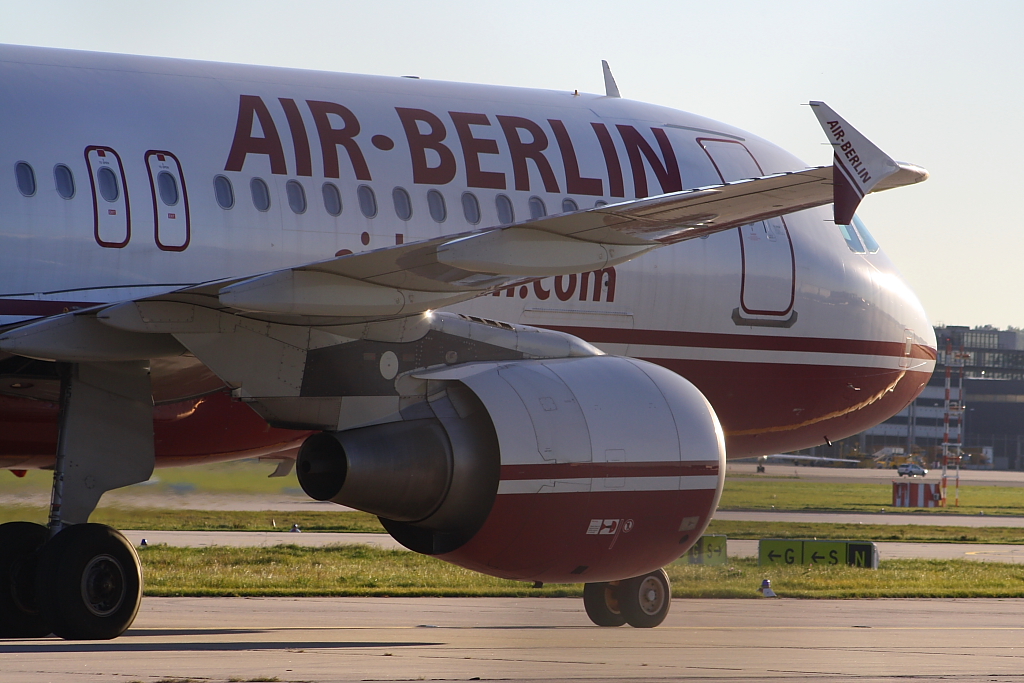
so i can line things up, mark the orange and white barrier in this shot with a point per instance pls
(909, 494)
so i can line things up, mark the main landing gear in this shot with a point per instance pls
(77, 580)
(83, 584)
(641, 602)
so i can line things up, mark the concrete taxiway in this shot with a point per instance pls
(359, 639)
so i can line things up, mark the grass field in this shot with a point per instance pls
(238, 477)
(364, 571)
(747, 493)
(211, 520)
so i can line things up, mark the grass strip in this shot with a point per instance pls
(784, 494)
(364, 571)
(910, 533)
(153, 519)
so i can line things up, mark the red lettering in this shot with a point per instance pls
(300, 141)
(473, 147)
(419, 142)
(245, 143)
(611, 160)
(527, 151)
(331, 137)
(599, 284)
(541, 293)
(574, 183)
(667, 172)
(565, 293)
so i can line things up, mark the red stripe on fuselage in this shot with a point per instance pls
(712, 340)
(604, 470)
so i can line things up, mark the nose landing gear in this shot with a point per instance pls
(641, 602)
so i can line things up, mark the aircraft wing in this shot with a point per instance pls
(411, 278)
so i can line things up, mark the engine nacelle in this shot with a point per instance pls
(569, 470)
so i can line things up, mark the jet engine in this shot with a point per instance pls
(568, 470)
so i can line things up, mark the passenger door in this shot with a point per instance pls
(767, 287)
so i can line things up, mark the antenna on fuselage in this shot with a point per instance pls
(610, 88)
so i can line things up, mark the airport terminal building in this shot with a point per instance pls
(992, 395)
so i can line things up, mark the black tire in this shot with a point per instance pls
(89, 583)
(20, 616)
(644, 600)
(602, 604)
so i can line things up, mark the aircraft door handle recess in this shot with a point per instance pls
(172, 223)
(112, 223)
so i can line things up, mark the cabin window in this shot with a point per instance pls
(403, 205)
(435, 202)
(471, 207)
(862, 230)
(224, 192)
(537, 208)
(569, 205)
(64, 180)
(107, 181)
(367, 201)
(26, 179)
(332, 199)
(260, 194)
(852, 241)
(296, 196)
(506, 212)
(168, 188)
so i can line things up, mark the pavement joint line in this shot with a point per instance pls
(271, 629)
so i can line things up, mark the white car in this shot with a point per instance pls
(911, 469)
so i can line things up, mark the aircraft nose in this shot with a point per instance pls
(909, 310)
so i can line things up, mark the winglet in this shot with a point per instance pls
(610, 88)
(858, 164)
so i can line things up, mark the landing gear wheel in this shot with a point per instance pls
(19, 614)
(602, 603)
(89, 583)
(644, 600)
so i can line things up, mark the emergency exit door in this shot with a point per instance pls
(172, 225)
(112, 223)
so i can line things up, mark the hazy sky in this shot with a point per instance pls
(934, 82)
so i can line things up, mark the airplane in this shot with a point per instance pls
(524, 328)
